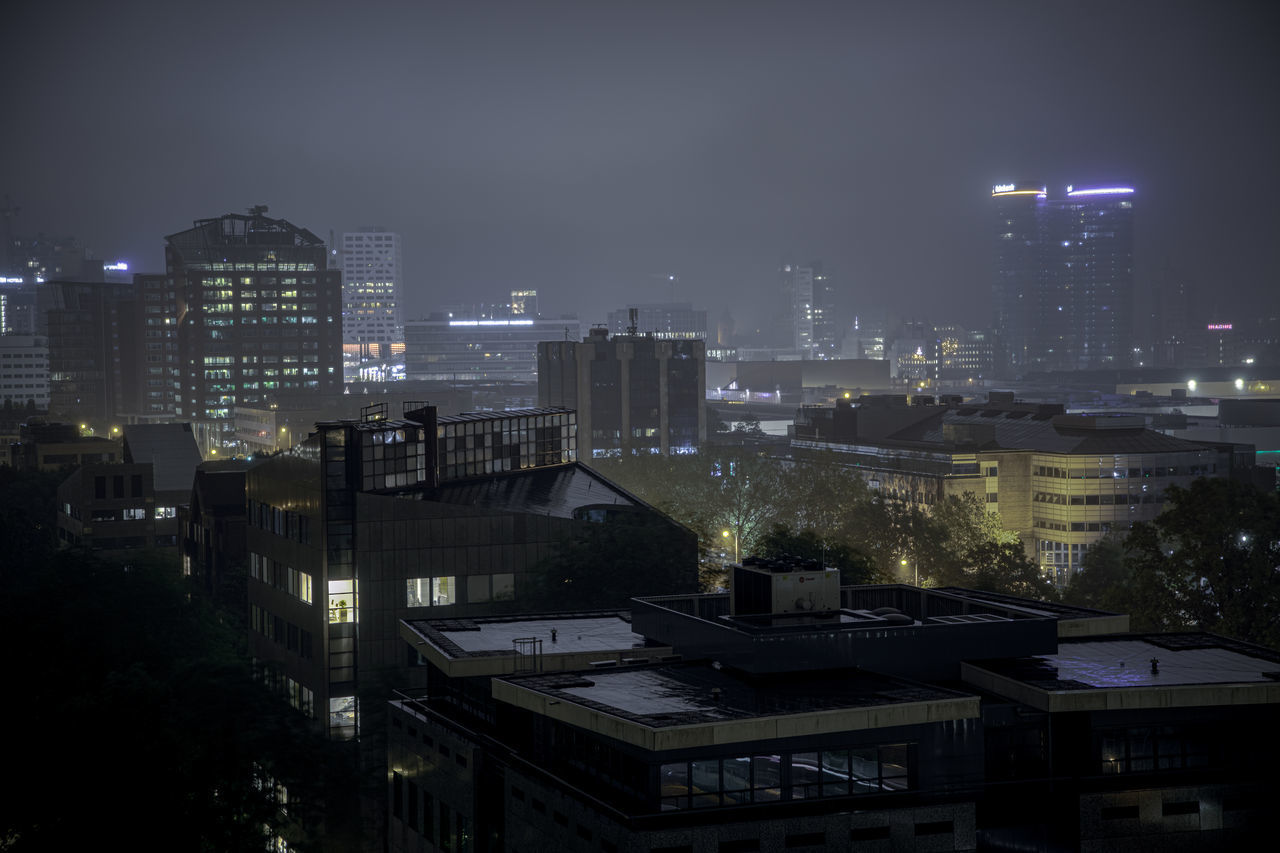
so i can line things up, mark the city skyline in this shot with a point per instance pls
(577, 150)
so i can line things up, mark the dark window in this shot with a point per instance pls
(1170, 809)
(742, 845)
(806, 839)
(117, 486)
(461, 759)
(608, 846)
(869, 833)
(936, 827)
(413, 806)
(584, 833)
(517, 794)
(397, 794)
(559, 818)
(99, 487)
(539, 805)
(1119, 813)
(135, 485)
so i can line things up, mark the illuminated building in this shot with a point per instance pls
(634, 394)
(1063, 289)
(24, 371)
(1061, 482)
(666, 320)
(524, 303)
(371, 292)
(480, 346)
(258, 315)
(813, 329)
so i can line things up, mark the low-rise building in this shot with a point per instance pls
(1060, 481)
(887, 717)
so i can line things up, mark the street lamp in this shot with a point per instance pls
(917, 570)
(725, 534)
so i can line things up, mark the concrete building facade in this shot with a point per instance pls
(633, 394)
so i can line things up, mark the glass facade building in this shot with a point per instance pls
(1063, 288)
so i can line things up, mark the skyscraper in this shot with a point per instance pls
(371, 320)
(812, 328)
(258, 316)
(1063, 288)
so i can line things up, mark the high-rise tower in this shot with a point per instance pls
(371, 320)
(1063, 287)
(259, 316)
(812, 329)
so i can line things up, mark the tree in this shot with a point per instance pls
(605, 564)
(749, 425)
(855, 567)
(143, 694)
(1208, 562)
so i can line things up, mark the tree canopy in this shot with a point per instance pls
(1210, 561)
(137, 701)
(818, 504)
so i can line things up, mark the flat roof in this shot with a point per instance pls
(685, 705)
(491, 645)
(1112, 672)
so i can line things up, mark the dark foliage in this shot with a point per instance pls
(137, 721)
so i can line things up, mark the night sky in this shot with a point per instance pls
(583, 148)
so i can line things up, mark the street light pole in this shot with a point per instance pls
(725, 534)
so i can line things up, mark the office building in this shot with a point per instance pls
(132, 504)
(634, 394)
(675, 321)
(1063, 290)
(1062, 482)
(371, 293)
(93, 355)
(368, 521)
(42, 446)
(524, 303)
(259, 314)
(960, 355)
(371, 521)
(156, 333)
(24, 371)
(481, 346)
(879, 717)
(809, 324)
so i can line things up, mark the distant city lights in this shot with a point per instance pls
(1101, 191)
(1219, 327)
(490, 322)
(118, 266)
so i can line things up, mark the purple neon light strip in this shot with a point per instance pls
(1103, 191)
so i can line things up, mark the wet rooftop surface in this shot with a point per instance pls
(556, 491)
(691, 694)
(604, 633)
(1181, 659)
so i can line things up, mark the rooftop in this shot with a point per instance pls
(500, 645)
(505, 415)
(170, 448)
(684, 705)
(1136, 671)
(554, 490)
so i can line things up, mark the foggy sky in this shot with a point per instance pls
(580, 148)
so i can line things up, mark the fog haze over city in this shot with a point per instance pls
(590, 150)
